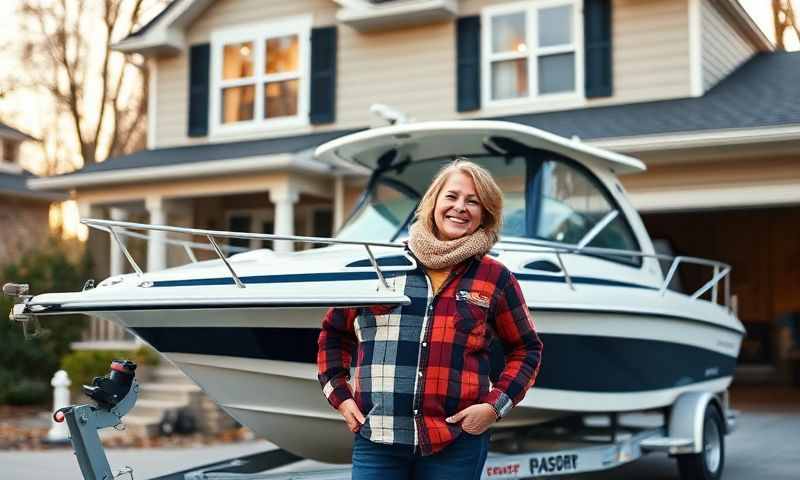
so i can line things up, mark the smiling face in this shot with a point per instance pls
(458, 211)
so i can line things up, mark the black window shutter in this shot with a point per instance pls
(199, 69)
(323, 75)
(597, 39)
(468, 66)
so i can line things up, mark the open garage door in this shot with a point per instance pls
(763, 246)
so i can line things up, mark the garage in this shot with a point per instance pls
(763, 247)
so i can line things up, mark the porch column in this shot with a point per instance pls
(117, 258)
(156, 245)
(338, 202)
(284, 200)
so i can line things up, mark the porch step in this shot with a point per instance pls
(136, 425)
(155, 408)
(164, 391)
(170, 375)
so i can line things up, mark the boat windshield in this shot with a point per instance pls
(553, 200)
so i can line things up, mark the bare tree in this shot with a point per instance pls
(100, 94)
(783, 18)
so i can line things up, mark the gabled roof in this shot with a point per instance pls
(763, 92)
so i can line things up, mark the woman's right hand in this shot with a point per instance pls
(352, 415)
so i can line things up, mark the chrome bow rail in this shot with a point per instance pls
(721, 271)
(115, 228)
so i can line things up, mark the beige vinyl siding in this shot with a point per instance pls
(172, 103)
(413, 69)
(748, 171)
(231, 13)
(650, 51)
(723, 47)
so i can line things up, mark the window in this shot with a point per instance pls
(552, 200)
(9, 151)
(530, 51)
(571, 204)
(260, 76)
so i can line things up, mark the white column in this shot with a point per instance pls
(117, 258)
(338, 202)
(156, 246)
(84, 211)
(284, 200)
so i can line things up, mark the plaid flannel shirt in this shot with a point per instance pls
(420, 363)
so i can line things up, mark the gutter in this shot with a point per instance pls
(283, 161)
(687, 140)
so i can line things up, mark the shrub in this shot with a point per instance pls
(83, 365)
(27, 363)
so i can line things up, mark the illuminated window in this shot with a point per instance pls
(260, 75)
(530, 51)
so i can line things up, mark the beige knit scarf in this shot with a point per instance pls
(438, 254)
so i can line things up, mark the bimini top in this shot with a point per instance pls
(427, 140)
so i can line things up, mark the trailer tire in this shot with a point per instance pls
(709, 463)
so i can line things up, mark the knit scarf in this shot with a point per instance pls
(438, 254)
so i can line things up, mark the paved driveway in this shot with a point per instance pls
(766, 445)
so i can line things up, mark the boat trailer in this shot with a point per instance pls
(692, 430)
(570, 446)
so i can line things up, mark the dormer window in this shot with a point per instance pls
(260, 76)
(530, 52)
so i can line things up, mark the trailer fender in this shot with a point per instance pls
(687, 414)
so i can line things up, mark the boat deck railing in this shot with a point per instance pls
(720, 271)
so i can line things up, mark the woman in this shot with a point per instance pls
(422, 404)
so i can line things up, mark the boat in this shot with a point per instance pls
(617, 336)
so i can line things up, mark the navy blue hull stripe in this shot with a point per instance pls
(351, 276)
(571, 362)
(221, 307)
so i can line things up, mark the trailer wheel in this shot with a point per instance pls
(708, 464)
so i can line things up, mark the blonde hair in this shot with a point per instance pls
(489, 195)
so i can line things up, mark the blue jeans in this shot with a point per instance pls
(462, 460)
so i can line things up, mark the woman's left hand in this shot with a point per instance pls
(475, 419)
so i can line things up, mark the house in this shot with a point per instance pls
(24, 213)
(243, 90)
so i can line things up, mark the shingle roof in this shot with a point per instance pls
(213, 151)
(13, 184)
(11, 132)
(764, 92)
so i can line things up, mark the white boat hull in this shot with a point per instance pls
(260, 368)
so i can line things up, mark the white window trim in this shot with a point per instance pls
(258, 34)
(545, 101)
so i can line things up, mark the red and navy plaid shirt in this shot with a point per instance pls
(420, 363)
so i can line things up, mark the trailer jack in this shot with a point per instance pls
(115, 395)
